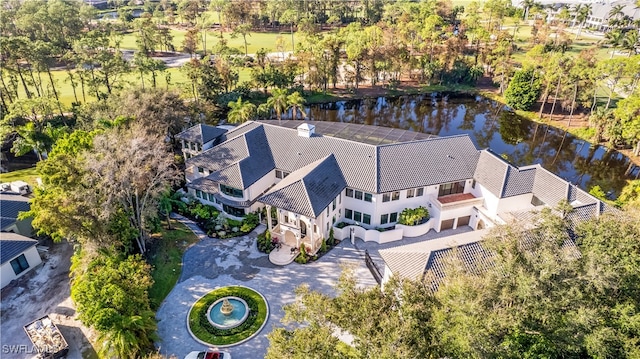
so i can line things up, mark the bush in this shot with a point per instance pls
(414, 216)
(264, 242)
(523, 90)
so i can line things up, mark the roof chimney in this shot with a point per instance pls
(306, 130)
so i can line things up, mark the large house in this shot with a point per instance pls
(318, 174)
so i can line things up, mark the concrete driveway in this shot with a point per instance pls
(213, 263)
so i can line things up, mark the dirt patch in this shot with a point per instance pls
(45, 290)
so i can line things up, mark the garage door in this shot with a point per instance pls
(446, 224)
(464, 221)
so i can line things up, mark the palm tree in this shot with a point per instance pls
(614, 38)
(295, 101)
(584, 11)
(278, 102)
(241, 111)
(615, 14)
(631, 41)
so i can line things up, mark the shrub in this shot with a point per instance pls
(523, 90)
(264, 242)
(302, 257)
(413, 216)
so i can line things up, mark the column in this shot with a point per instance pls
(269, 218)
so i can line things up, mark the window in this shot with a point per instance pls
(419, 192)
(357, 216)
(234, 211)
(230, 191)
(278, 174)
(368, 197)
(348, 213)
(348, 192)
(451, 188)
(366, 219)
(410, 193)
(19, 264)
(334, 204)
(386, 197)
(384, 219)
(198, 193)
(395, 196)
(200, 170)
(393, 217)
(359, 195)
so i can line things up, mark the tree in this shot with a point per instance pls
(296, 102)
(241, 111)
(111, 295)
(278, 102)
(129, 168)
(523, 90)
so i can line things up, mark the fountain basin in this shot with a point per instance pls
(235, 318)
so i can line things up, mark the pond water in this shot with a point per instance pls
(490, 125)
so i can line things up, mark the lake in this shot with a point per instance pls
(490, 125)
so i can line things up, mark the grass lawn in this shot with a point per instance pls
(28, 175)
(165, 257)
(178, 81)
(255, 40)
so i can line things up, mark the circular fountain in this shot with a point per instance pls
(228, 312)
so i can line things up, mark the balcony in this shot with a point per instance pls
(455, 201)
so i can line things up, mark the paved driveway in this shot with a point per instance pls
(214, 263)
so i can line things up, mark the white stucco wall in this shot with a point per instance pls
(6, 271)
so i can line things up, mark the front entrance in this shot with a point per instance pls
(290, 239)
(303, 228)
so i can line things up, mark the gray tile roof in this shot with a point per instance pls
(426, 162)
(549, 188)
(201, 133)
(240, 161)
(10, 206)
(491, 172)
(309, 190)
(518, 181)
(12, 245)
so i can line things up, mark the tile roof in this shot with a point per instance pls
(490, 172)
(549, 188)
(201, 133)
(10, 206)
(12, 245)
(240, 161)
(309, 190)
(425, 162)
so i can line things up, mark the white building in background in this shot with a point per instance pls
(319, 174)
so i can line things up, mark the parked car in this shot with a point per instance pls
(209, 354)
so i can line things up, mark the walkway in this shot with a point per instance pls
(213, 263)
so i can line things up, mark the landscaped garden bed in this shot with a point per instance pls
(212, 221)
(201, 328)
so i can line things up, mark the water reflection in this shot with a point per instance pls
(521, 141)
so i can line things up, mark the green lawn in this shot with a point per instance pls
(28, 175)
(255, 40)
(165, 257)
(178, 81)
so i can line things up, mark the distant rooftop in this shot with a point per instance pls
(372, 135)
